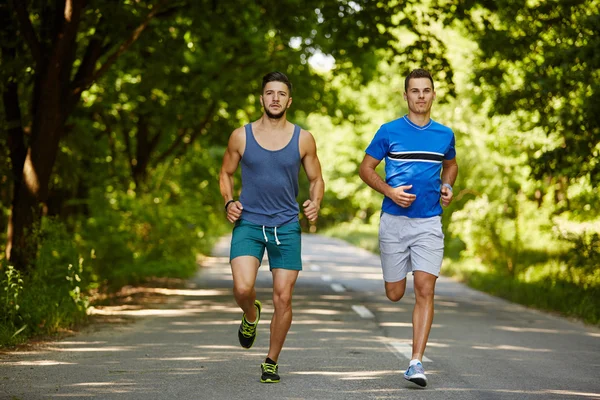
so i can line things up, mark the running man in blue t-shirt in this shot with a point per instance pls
(420, 169)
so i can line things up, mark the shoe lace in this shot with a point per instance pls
(247, 328)
(270, 368)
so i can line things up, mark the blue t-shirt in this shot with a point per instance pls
(413, 156)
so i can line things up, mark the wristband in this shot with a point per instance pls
(228, 203)
(447, 185)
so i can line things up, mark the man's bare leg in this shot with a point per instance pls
(283, 286)
(244, 270)
(423, 312)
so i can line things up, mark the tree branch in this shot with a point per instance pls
(179, 140)
(28, 32)
(122, 48)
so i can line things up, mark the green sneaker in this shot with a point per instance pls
(247, 331)
(269, 373)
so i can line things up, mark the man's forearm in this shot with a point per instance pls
(226, 186)
(317, 189)
(449, 174)
(372, 178)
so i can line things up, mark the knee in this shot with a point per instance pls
(395, 294)
(242, 291)
(424, 292)
(395, 290)
(282, 300)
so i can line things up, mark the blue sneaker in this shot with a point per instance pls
(416, 374)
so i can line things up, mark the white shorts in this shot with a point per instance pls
(410, 244)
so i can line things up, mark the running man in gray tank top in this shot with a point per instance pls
(265, 217)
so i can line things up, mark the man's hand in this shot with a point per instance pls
(446, 196)
(401, 197)
(234, 211)
(311, 210)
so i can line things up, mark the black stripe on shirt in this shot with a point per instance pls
(417, 156)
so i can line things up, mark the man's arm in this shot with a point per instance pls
(231, 160)
(312, 167)
(449, 174)
(371, 177)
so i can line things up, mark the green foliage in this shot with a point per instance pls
(12, 289)
(50, 298)
(549, 292)
(137, 235)
(356, 233)
(539, 60)
(54, 295)
(583, 258)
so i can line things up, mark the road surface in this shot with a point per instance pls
(347, 341)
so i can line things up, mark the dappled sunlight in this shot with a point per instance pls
(511, 348)
(315, 322)
(177, 358)
(217, 347)
(38, 363)
(121, 310)
(323, 304)
(445, 311)
(334, 297)
(390, 309)
(330, 330)
(98, 384)
(186, 309)
(405, 324)
(23, 353)
(593, 334)
(348, 375)
(93, 349)
(541, 392)
(69, 342)
(352, 270)
(533, 330)
(573, 393)
(317, 311)
(437, 345)
(446, 303)
(176, 292)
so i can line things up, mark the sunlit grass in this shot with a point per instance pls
(356, 233)
(547, 285)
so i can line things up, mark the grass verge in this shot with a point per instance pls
(548, 292)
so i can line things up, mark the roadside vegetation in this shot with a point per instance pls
(113, 126)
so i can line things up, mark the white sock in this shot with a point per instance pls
(414, 362)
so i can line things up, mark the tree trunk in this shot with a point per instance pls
(32, 192)
(53, 99)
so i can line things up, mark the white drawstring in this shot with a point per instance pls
(274, 232)
(276, 238)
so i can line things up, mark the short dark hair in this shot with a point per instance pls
(276, 76)
(418, 73)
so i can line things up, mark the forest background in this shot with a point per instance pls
(114, 118)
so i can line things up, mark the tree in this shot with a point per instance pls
(541, 61)
(52, 32)
(56, 51)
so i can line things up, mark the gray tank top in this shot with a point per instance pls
(270, 181)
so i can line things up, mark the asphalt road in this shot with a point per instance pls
(347, 341)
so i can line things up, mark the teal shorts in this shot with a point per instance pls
(283, 244)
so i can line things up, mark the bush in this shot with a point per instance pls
(52, 296)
